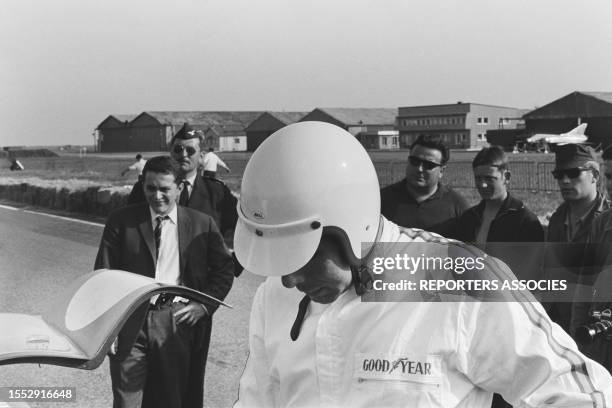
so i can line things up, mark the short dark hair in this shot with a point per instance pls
(211, 149)
(433, 142)
(163, 165)
(138, 156)
(491, 156)
(607, 153)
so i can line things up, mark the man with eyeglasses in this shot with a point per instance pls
(420, 200)
(208, 195)
(577, 173)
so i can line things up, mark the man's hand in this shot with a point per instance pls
(190, 314)
(425, 235)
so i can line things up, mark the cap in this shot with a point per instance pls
(187, 132)
(573, 155)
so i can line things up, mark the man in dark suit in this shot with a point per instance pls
(205, 194)
(175, 245)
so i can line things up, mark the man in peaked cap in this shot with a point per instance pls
(209, 195)
(577, 173)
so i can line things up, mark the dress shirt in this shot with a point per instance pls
(167, 269)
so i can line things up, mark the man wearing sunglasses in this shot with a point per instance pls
(421, 200)
(577, 173)
(205, 194)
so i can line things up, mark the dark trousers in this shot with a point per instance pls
(211, 174)
(157, 372)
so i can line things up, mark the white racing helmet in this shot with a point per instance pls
(306, 179)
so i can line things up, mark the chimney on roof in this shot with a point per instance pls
(459, 102)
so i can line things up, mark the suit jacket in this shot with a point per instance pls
(515, 226)
(205, 264)
(209, 196)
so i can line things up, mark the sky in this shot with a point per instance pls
(65, 65)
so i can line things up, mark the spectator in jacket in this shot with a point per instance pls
(577, 173)
(499, 217)
(420, 200)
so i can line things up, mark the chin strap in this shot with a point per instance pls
(299, 319)
(362, 279)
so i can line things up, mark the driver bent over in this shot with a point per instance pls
(303, 226)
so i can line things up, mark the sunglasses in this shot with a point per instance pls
(178, 149)
(427, 165)
(570, 173)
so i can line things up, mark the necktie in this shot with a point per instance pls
(184, 198)
(299, 319)
(158, 230)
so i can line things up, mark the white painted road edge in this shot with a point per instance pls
(95, 224)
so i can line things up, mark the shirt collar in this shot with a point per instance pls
(172, 215)
(191, 179)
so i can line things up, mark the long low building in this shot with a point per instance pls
(153, 130)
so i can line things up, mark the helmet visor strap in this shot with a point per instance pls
(299, 319)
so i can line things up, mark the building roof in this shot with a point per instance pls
(204, 118)
(122, 119)
(604, 96)
(288, 117)
(575, 104)
(362, 116)
(447, 109)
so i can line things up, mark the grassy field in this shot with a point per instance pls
(531, 180)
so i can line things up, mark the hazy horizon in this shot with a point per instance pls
(68, 64)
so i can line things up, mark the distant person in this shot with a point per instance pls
(137, 166)
(577, 173)
(500, 217)
(607, 159)
(420, 200)
(210, 163)
(16, 165)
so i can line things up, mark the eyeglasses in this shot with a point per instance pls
(570, 173)
(178, 149)
(427, 165)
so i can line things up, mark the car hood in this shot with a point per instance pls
(79, 329)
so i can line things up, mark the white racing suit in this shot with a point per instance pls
(412, 354)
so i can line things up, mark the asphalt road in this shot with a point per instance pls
(41, 254)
